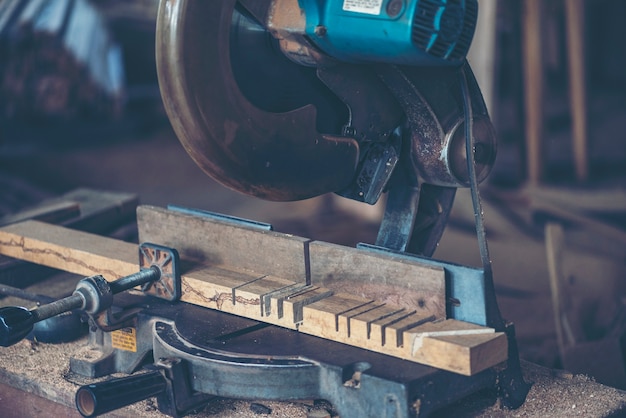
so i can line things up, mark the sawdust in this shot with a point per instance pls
(554, 393)
(42, 369)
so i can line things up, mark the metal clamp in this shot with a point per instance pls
(158, 277)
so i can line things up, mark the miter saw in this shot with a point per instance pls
(288, 100)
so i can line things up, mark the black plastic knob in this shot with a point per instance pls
(15, 324)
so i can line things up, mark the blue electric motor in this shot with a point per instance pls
(411, 32)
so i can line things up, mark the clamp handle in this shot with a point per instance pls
(158, 277)
(99, 398)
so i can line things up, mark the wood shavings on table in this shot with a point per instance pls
(42, 370)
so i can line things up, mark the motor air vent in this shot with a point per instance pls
(443, 28)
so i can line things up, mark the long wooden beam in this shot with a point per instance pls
(412, 334)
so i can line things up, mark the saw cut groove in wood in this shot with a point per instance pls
(413, 334)
(344, 319)
(328, 310)
(394, 332)
(378, 328)
(275, 300)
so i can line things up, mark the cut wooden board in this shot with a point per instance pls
(351, 319)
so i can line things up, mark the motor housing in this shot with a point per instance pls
(409, 32)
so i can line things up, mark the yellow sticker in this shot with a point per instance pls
(124, 339)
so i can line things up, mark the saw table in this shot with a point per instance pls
(36, 383)
(287, 318)
(288, 364)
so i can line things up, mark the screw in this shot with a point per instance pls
(321, 30)
(394, 7)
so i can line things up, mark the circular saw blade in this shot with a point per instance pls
(254, 148)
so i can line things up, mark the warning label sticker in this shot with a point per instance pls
(370, 7)
(124, 339)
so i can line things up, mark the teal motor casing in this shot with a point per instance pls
(406, 32)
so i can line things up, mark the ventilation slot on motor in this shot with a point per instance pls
(445, 29)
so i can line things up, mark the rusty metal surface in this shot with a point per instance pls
(432, 101)
(167, 286)
(275, 156)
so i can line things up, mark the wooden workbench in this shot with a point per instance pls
(36, 383)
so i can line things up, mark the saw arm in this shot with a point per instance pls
(262, 101)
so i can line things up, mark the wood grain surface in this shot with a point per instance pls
(262, 292)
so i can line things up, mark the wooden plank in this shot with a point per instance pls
(20, 403)
(213, 287)
(260, 289)
(318, 315)
(449, 344)
(274, 301)
(361, 325)
(69, 250)
(343, 319)
(99, 211)
(378, 328)
(456, 346)
(52, 213)
(394, 332)
(213, 242)
(533, 88)
(312, 309)
(293, 305)
(388, 279)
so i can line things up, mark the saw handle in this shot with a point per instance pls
(103, 397)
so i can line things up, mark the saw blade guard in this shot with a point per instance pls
(272, 155)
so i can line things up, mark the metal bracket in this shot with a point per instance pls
(168, 286)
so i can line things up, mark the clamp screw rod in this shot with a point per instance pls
(57, 307)
(144, 276)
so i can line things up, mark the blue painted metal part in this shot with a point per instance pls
(221, 217)
(410, 32)
(465, 286)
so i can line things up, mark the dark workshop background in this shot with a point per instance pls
(80, 108)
